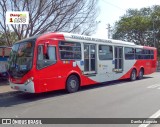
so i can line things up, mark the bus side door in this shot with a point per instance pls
(105, 63)
(89, 58)
(118, 56)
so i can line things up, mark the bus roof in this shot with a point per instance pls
(81, 38)
(75, 37)
(94, 39)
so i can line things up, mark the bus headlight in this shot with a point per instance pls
(29, 80)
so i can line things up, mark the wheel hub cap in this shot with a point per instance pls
(73, 83)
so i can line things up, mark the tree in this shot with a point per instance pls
(140, 26)
(11, 36)
(78, 16)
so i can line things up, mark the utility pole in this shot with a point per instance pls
(109, 30)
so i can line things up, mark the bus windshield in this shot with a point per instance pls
(21, 58)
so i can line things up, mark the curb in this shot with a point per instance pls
(9, 92)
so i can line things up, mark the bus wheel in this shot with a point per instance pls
(72, 84)
(141, 73)
(133, 75)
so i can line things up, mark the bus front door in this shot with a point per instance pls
(89, 58)
(118, 59)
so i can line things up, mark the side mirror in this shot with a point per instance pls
(45, 47)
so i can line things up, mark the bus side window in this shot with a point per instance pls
(151, 54)
(47, 59)
(40, 52)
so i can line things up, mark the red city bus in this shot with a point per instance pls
(56, 61)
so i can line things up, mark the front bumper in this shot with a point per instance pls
(24, 87)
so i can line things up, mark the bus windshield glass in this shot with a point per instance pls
(21, 58)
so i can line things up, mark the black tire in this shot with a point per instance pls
(133, 75)
(141, 73)
(72, 84)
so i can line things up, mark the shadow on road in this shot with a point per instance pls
(110, 83)
(28, 97)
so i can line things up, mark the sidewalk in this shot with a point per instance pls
(5, 89)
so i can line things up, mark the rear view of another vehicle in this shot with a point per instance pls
(4, 54)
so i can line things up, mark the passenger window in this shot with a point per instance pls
(70, 50)
(129, 53)
(105, 52)
(144, 54)
(151, 54)
(139, 54)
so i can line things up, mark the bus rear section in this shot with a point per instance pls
(146, 61)
(144, 58)
(4, 55)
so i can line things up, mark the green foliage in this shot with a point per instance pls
(11, 36)
(140, 26)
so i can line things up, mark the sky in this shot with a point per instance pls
(112, 10)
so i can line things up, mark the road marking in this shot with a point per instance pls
(154, 116)
(154, 86)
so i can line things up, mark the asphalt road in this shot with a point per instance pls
(120, 99)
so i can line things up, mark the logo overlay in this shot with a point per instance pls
(17, 17)
(21, 121)
(79, 121)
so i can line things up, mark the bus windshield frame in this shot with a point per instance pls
(21, 58)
